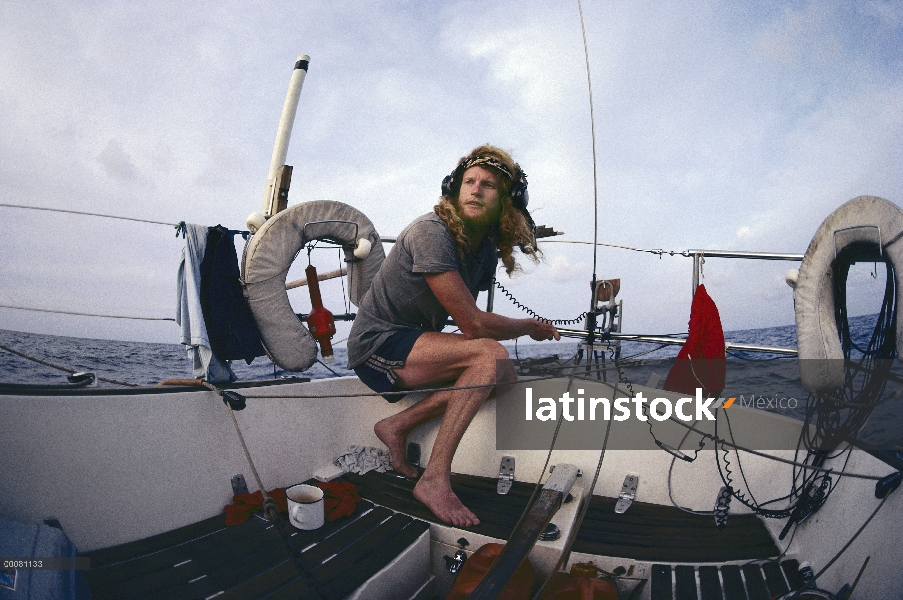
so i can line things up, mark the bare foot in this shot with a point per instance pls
(442, 501)
(395, 442)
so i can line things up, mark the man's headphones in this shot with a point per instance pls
(451, 185)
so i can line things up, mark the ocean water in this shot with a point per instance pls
(750, 375)
(142, 363)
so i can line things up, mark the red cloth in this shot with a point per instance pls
(701, 361)
(244, 505)
(339, 498)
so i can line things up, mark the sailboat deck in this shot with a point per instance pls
(208, 559)
(646, 532)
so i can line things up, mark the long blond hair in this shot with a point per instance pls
(512, 229)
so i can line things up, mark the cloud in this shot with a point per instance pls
(117, 163)
(562, 270)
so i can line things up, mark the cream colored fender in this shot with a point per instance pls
(271, 252)
(864, 219)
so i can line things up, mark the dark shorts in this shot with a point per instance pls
(377, 372)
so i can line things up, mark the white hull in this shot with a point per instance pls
(114, 469)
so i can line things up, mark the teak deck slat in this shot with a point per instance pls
(684, 583)
(661, 582)
(755, 583)
(733, 583)
(774, 579)
(667, 534)
(710, 584)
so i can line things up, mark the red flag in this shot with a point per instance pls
(701, 362)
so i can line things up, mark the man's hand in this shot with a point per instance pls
(542, 331)
(474, 323)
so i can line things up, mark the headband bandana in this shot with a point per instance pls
(479, 161)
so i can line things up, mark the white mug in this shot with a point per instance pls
(305, 506)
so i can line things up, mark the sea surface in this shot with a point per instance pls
(751, 376)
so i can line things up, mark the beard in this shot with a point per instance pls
(480, 224)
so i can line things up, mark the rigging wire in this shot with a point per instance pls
(82, 314)
(88, 214)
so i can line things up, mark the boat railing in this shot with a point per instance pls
(698, 257)
(673, 341)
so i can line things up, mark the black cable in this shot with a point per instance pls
(530, 311)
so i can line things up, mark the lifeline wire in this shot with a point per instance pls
(657, 251)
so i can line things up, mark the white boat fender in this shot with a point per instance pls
(271, 252)
(862, 220)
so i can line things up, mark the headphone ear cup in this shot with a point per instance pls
(447, 185)
(519, 195)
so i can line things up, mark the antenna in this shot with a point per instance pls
(591, 315)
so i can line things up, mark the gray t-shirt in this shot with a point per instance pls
(399, 297)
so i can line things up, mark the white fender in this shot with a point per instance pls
(271, 252)
(862, 219)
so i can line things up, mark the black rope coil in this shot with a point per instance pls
(832, 419)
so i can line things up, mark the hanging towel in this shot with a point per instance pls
(190, 315)
(230, 325)
(363, 459)
(701, 362)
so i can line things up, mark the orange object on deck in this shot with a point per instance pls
(568, 587)
(476, 567)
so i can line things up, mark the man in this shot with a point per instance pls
(437, 267)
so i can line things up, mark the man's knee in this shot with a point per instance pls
(491, 350)
(497, 358)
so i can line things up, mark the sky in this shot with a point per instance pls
(718, 126)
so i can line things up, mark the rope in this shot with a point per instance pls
(855, 535)
(269, 505)
(59, 368)
(81, 314)
(89, 214)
